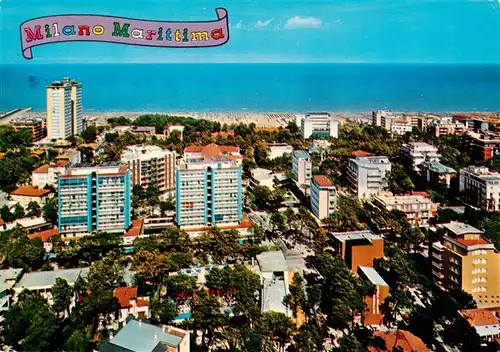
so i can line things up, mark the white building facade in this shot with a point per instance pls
(323, 196)
(301, 167)
(368, 175)
(416, 153)
(318, 125)
(480, 187)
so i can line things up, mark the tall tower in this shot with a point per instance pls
(64, 109)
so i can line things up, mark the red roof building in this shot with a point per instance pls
(400, 338)
(322, 181)
(361, 153)
(30, 191)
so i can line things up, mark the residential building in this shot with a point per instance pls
(64, 109)
(277, 150)
(130, 304)
(94, 198)
(400, 123)
(417, 153)
(137, 336)
(47, 174)
(30, 225)
(35, 125)
(208, 187)
(69, 156)
(382, 118)
(401, 127)
(418, 209)
(358, 248)
(482, 145)
(446, 125)
(45, 237)
(468, 261)
(314, 125)
(178, 128)
(372, 314)
(301, 167)
(42, 281)
(8, 278)
(319, 146)
(438, 173)
(142, 130)
(151, 166)
(399, 340)
(26, 194)
(367, 176)
(480, 187)
(265, 177)
(323, 196)
(485, 321)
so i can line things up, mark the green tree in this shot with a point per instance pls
(34, 209)
(207, 317)
(62, 294)
(89, 134)
(50, 210)
(18, 211)
(6, 214)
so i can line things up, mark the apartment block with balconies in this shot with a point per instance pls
(367, 176)
(94, 198)
(417, 208)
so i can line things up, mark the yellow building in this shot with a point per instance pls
(467, 260)
(64, 109)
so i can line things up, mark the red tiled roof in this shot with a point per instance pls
(136, 228)
(361, 153)
(30, 191)
(212, 150)
(322, 180)
(124, 294)
(142, 302)
(402, 338)
(42, 169)
(472, 242)
(44, 235)
(62, 163)
(38, 152)
(479, 317)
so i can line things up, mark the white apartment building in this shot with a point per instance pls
(417, 208)
(47, 174)
(301, 167)
(277, 150)
(416, 153)
(368, 175)
(323, 196)
(446, 125)
(151, 166)
(400, 127)
(318, 125)
(64, 109)
(382, 118)
(208, 187)
(480, 187)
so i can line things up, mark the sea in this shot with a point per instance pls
(259, 87)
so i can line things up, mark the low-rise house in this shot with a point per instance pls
(438, 173)
(405, 340)
(130, 304)
(47, 174)
(45, 237)
(26, 194)
(137, 336)
(8, 279)
(486, 322)
(277, 150)
(265, 177)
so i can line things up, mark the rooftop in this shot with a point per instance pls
(212, 150)
(480, 316)
(273, 292)
(144, 152)
(440, 168)
(373, 276)
(402, 338)
(272, 261)
(44, 235)
(406, 199)
(30, 191)
(460, 228)
(8, 278)
(361, 153)
(136, 229)
(301, 154)
(322, 181)
(47, 279)
(356, 235)
(125, 294)
(141, 337)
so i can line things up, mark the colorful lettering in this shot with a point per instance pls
(83, 28)
(197, 36)
(217, 34)
(56, 29)
(177, 35)
(120, 32)
(168, 34)
(160, 33)
(47, 31)
(137, 33)
(69, 30)
(150, 34)
(37, 35)
(185, 35)
(98, 29)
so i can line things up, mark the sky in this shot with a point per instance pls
(359, 31)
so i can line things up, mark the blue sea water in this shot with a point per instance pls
(260, 87)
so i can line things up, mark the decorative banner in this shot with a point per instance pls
(121, 30)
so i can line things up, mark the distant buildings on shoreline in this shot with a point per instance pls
(64, 109)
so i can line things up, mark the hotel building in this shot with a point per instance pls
(301, 167)
(323, 196)
(417, 208)
(64, 109)
(35, 125)
(151, 166)
(468, 261)
(438, 173)
(94, 198)
(47, 173)
(446, 125)
(208, 187)
(482, 145)
(418, 153)
(318, 125)
(367, 176)
(480, 187)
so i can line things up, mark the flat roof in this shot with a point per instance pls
(143, 337)
(372, 275)
(301, 154)
(460, 228)
(272, 261)
(440, 168)
(356, 235)
(48, 278)
(273, 292)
